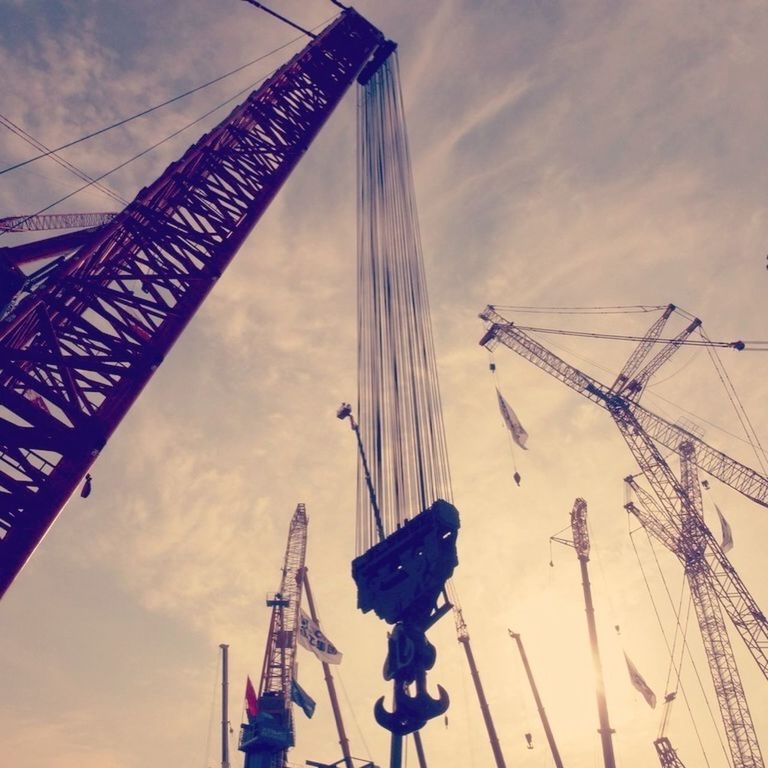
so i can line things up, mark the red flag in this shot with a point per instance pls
(251, 702)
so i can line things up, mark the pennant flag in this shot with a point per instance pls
(302, 698)
(727, 543)
(640, 684)
(251, 702)
(312, 638)
(519, 435)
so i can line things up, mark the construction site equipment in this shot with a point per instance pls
(269, 732)
(674, 516)
(580, 543)
(407, 528)
(539, 706)
(343, 740)
(81, 336)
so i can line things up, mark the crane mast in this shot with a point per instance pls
(666, 753)
(582, 546)
(539, 706)
(675, 519)
(82, 336)
(268, 734)
(692, 544)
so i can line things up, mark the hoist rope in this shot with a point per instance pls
(37, 144)
(741, 413)
(146, 151)
(492, 367)
(401, 423)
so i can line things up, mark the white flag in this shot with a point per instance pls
(640, 684)
(519, 435)
(727, 543)
(312, 638)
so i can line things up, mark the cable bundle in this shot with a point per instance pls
(399, 408)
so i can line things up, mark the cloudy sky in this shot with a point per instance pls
(588, 153)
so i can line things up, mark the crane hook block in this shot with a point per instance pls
(401, 577)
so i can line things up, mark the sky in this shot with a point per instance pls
(588, 153)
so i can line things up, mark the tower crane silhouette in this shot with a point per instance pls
(675, 516)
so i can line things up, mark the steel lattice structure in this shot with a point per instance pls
(666, 753)
(39, 222)
(694, 545)
(675, 518)
(268, 734)
(82, 336)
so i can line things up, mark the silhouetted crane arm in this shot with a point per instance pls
(747, 481)
(636, 386)
(641, 351)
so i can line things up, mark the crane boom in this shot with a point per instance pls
(268, 734)
(40, 222)
(692, 545)
(635, 360)
(81, 339)
(747, 481)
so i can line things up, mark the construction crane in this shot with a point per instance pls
(580, 543)
(269, 732)
(462, 631)
(47, 221)
(539, 706)
(675, 518)
(690, 544)
(462, 634)
(81, 336)
(667, 755)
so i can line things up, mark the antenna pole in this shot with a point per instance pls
(224, 705)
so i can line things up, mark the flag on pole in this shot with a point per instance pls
(251, 702)
(312, 638)
(640, 684)
(519, 435)
(302, 698)
(727, 542)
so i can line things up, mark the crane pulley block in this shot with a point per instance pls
(401, 577)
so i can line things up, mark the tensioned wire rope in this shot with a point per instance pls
(399, 407)
(95, 181)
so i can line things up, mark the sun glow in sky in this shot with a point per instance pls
(586, 153)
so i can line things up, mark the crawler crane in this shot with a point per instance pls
(675, 518)
(81, 336)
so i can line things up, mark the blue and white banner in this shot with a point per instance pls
(312, 638)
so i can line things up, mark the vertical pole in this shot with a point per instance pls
(419, 749)
(224, 705)
(494, 739)
(396, 751)
(602, 706)
(537, 698)
(343, 741)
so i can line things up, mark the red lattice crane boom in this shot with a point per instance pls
(80, 338)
